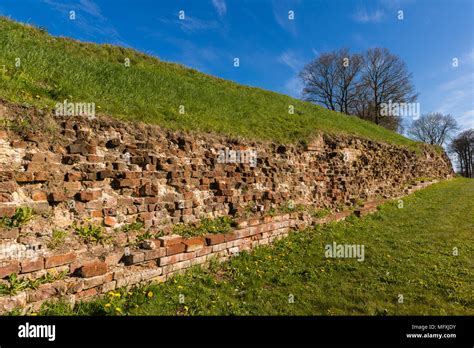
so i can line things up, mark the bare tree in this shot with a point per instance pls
(384, 79)
(359, 84)
(463, 147)
(330, 80)
(348, 69)
(434, 128)
(320, 78)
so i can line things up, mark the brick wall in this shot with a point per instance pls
(115, 173)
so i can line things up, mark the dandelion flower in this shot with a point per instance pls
(107, 305)
(150, 294)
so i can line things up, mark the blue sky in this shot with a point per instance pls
(271, 47)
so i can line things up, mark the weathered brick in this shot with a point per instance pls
(175, 249)
(93, 269)
(212, 239)
(204, 251)
(154, 254)
(96, 281)
(24, 177)
(242, 233)
(134, 257)
(32, 265)
(86, 196)
(58, 260)
(110, 221)
(57, 197)
(167, 260)
(87, 293)
(39, 196)
(9, 233)
(170, 240)
(8, 268)
(193, 244)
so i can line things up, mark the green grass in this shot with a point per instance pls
(408, 251)
(54, 69)
(222, 224)
(22, 216)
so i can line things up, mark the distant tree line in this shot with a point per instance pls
(462, 147)
(360, 84)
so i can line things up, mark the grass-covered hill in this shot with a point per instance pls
(53, 69)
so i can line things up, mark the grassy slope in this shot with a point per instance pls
(408, 251)
(53, 69)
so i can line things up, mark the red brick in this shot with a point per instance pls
(93, 269)
(204, 251)
(86, 196)
(131, 183)
(87, 293)
(57, 197)
(193, 244)
(18, 144)
(104, 174)
(7, 210)
(168, 260)
(73, 176)
(41, 176)
(59, 260)
(9, 268)
(135, 257)
(212, 239)
(170, 240)
(96, 213)
(9, 233)
(8, 186)
(110, 221)
(154, 254)
(175, 249)
(39, 196)
(32, 265)
(24, 177)
(230, 236)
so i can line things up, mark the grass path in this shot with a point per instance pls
(409, 251)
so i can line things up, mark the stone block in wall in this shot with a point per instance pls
(134, 257)
(93, 269)
(9, 233)
(168, 260)
(154, 254)
(7, 268)
(59, 260)
(212, 239)
(96, 281)
(89, 195)
(57, 197)
(242, 233)
(109, 286)
(175, 249)
(170, 240)
(193, 244)
(31, 265)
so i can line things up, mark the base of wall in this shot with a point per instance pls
(161, 259)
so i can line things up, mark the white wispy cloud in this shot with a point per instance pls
(220, 6)
(280, 13)
(294, 87)
(89, 18)
(456, 99)
(363, 16)
(191, 24)
(292, 60)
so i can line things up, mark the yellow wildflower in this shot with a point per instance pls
(150, 294)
